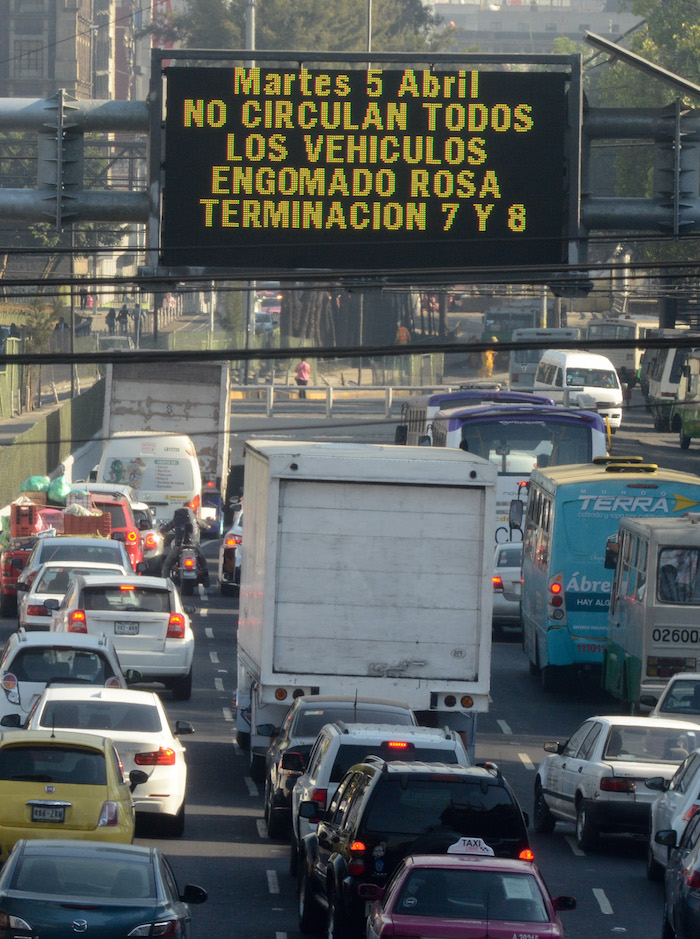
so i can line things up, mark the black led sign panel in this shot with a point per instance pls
(363, 170)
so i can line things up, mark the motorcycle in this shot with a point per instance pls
(185, 571)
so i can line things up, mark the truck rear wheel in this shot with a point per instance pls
(684, 441)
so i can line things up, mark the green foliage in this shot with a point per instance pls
(398, 25)
(672, 35)
(39, 321)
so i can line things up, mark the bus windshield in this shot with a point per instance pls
(518, 446)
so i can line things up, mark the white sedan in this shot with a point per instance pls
(595, 779)
(52, 581)
(137, 723)
(145, 619)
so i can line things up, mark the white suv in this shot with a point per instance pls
(340, 746)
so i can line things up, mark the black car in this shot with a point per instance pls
(297, 735)
(682, 881)
(381, 813)
(55, 888)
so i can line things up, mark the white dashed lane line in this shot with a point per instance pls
(504, 727)
(219, 684)
(273, 883)
(603, 901)
(228, 714)
(251, 787)
(262, 828)
(208, 632)
(526, 761)
(214, 656)
(571, 841)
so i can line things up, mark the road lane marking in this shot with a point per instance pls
(219, 684)
(262, 827)
(273, 884)
(214, 656)
(574, 847)
(208, 632)
(250, 785)
(228, 714)
(204, 611)
(504, 727)
(603, 901)
(526, 761)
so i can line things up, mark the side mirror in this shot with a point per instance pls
(311, 810)
(11, 720)
(51, 603)
(658, 783)
(137, 777)
(553, 746)
(194, 894)
(648, 700)
(612, 550)
(515, 515)
(266, 730)
(562, 904)
(20, 585)
(183, 727)
(118, 536)
(132, 676)
(293, 762)
(189, 608)
(666, 836)
(370, 891)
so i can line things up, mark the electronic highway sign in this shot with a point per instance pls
(361, 170)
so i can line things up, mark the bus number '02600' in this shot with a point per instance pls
(676, 636)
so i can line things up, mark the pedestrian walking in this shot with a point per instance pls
(82, 293)
(123, 319)
(89, 301)
(302, 374)
(111, 320)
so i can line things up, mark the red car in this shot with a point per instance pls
(465, 893)
(123, 522)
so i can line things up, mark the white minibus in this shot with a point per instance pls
(162, 468)
(566, 375)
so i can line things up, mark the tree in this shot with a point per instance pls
(403, 25)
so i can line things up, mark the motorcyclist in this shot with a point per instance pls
(186, 528)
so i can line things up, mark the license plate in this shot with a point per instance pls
(48, 813)
(126, 629)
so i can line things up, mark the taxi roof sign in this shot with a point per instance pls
(471, 846)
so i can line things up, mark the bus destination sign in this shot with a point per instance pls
(363, 170)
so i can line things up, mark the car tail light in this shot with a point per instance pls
(39, 609)
(691, 811)
(132, 537)
(693, 880)
(614, 784)
(164, 756)
(497, 583)
(526, 855)
(150, 542)
(77, 622)
(9, 681)
(113, 682)
(10, 921)
(109, 816)
(232, 541)
(30, 578)
(176, 626)
(319, 795)
(356, 864)
(162, 929)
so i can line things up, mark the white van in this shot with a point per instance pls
(162, 468)
(566, 375)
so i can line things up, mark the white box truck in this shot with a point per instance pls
(192, 400)
(367, 571)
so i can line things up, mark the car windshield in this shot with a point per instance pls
(592, 377)
(348, 755)
(53, 764)
(649, 744)
(472, 894)
(309, 722)
(55, 579)
(49, 664)
(683, 697)
(510, 556)
(420, 806)
(101, 715)
(127, 878)
(103, 551)
(126, 597)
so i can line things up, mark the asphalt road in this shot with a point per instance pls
(226, 849)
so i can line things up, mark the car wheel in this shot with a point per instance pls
(257, 767)
(655, 871)
(182, 688)
(276, 827)
(310, 914)
(175, 824)
(586, 832)
(542, 819)
(338, 927)
(8, 605)
(293, 856)
(548, 678)
(684, 441)
(243, 739)
(667, 931)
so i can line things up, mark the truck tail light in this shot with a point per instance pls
(109, 816)
(614, 784)
(356, 864)
(176, 626)
(77, 622)
(556, 601)
(232, 541)
(164, 756)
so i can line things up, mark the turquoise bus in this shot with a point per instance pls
(571, 513)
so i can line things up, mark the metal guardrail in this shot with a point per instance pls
(331, 395)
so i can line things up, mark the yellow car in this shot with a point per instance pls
(60, 784)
